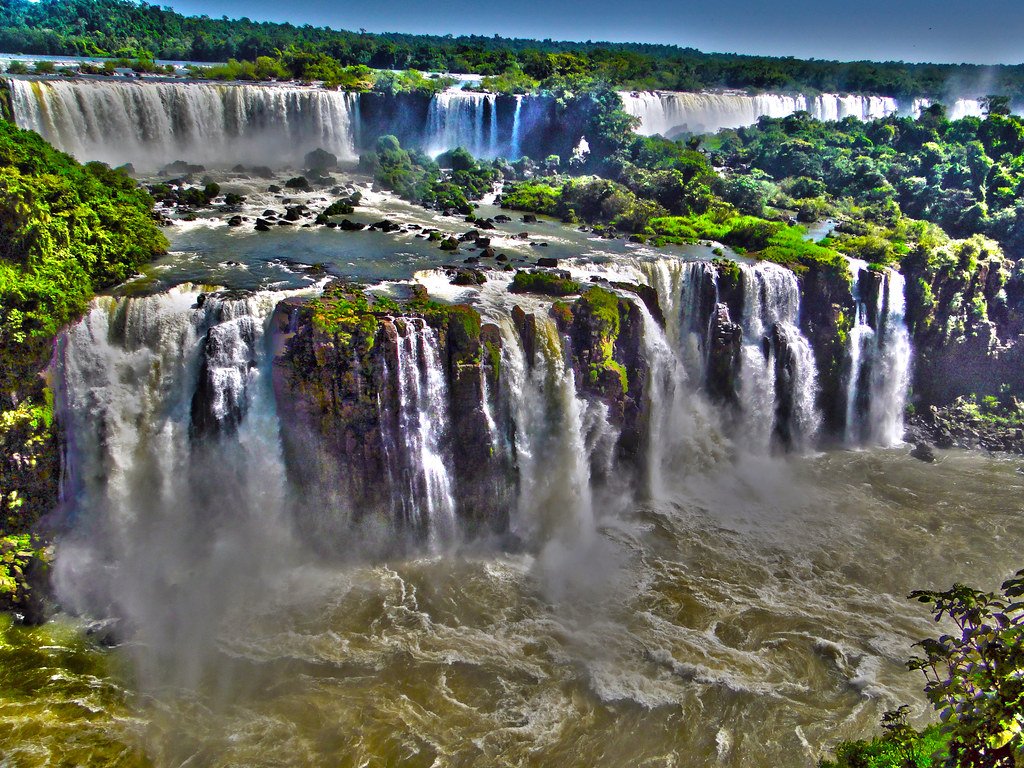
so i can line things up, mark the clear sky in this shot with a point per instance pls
(979, 31)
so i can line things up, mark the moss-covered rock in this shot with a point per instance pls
(29, 461)
(546, 283)
(334, 380)
(827, 315)
(606, 338)
(24, 577)
(965, 310)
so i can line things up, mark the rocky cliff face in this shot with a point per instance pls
(826, 318)
(343, 399)
(605, 333)
(339, 385)
(966, 313)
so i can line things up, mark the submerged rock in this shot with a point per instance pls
(923, 452)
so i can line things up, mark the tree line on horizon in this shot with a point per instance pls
(123, 28)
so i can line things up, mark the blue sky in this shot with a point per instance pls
(982, 31)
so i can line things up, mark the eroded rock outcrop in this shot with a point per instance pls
(343, 384)
(605, 333)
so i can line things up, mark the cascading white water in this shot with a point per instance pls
(165, 537)
(463, 119)
(551, 446)
(228, 370)
(879, 361)
(682, 435)
(151, 124)
(681, 286)
(890, 379)
(861, 340)
(492, 141)
(671, 113)
(771, 310)
(421, 484)
(516, 150)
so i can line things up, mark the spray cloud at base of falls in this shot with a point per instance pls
(173, 469)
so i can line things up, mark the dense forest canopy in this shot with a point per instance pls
(125, 28)
(66, 231)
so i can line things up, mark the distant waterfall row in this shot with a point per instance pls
(671, 113)
(154, 123)
(151, 124)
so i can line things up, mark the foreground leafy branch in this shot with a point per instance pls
(975, 677)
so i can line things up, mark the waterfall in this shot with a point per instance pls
(463, 119)
(859, 352)
(687, 293)
(420, 482)
(955, 109)
(879, 359)
(778, 375)
(890, 379)
(492, 144)
(227, 371)
(170, 531)
(670, 113)
(151, 124)
(551, 447)
(516, 150)
(682, 434)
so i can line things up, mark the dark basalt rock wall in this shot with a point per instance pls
(966, 315)
(337, 400)
(725, 339)
(827, 314)
(606, 333)
(326, 393)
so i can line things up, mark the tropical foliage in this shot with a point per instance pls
(66, 231)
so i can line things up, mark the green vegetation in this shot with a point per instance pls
(974, 678)
(768, 240)
(304, 66)
(602, 309)
(413, 176)
(66, 231)
(538, 197)
(545, 283)
(18, 554)
(966, 176)
(896, 749)
(124, 28)
(345, 312)
(1002, 411)
(641, 178)
(512, 81)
